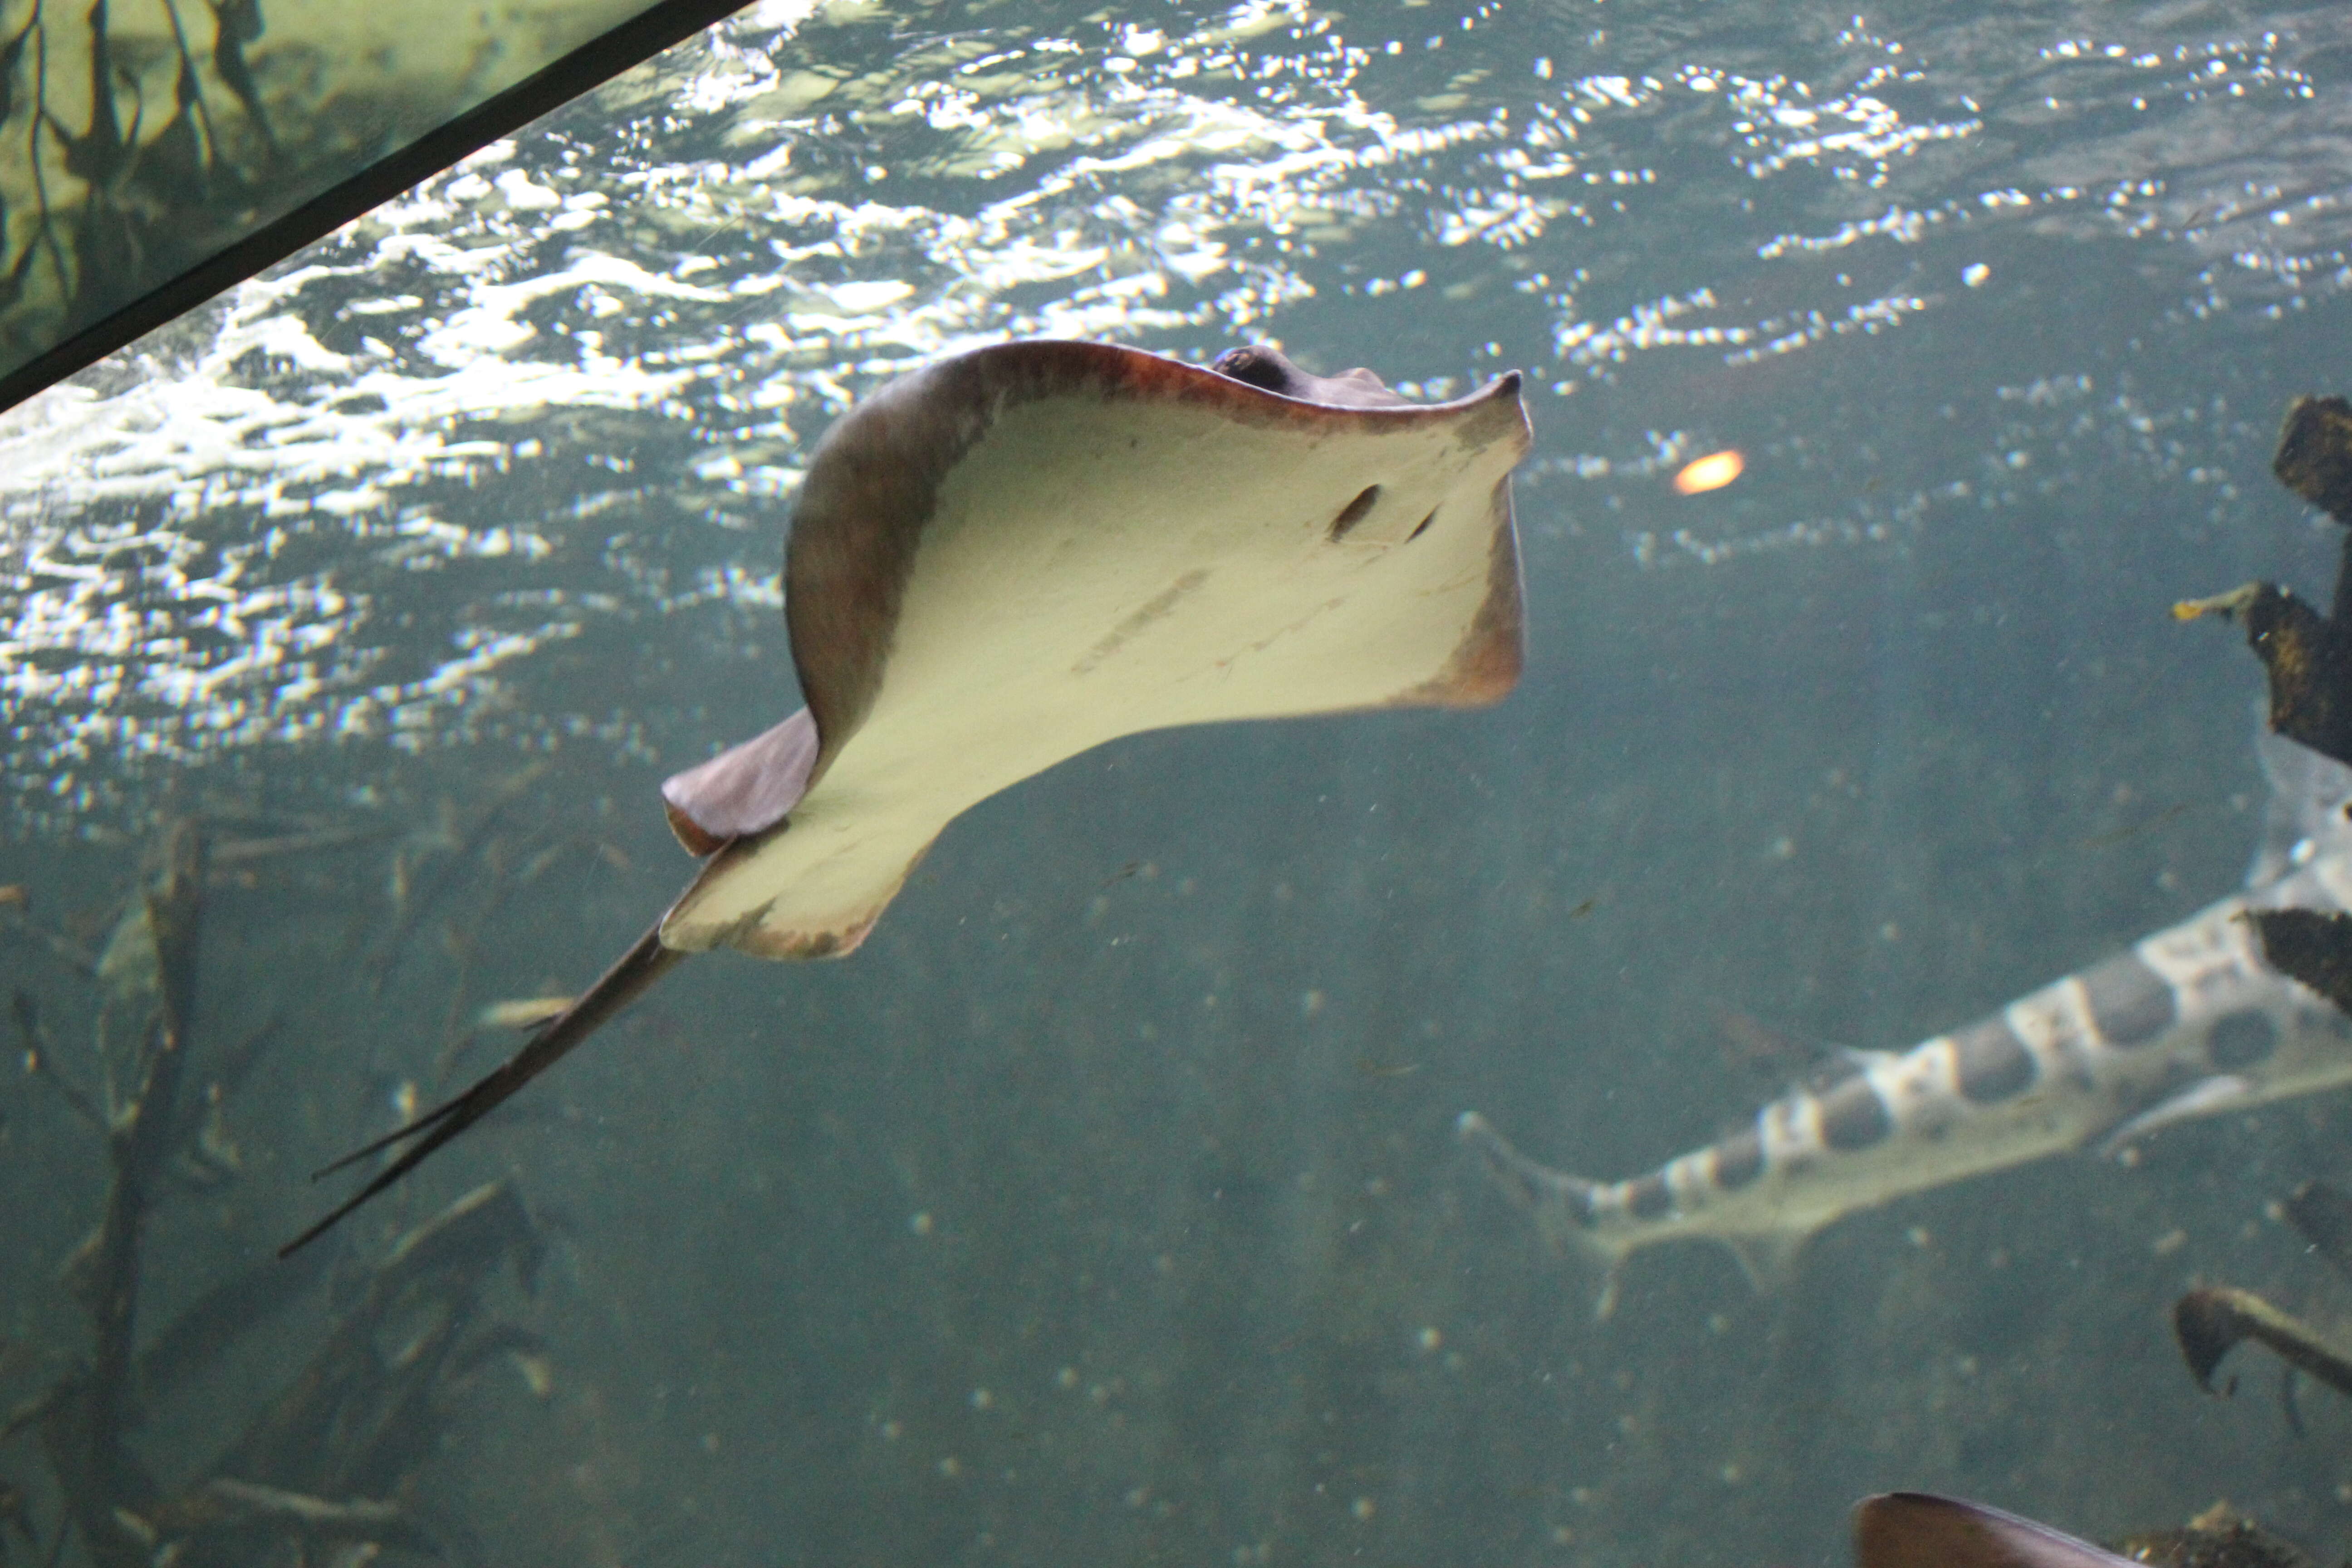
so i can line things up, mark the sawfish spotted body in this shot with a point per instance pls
(1015, 554)
(2188, 1022)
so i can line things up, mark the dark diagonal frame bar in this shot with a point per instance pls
(600, 59)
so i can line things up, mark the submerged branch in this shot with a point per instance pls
(225, 1506)
(37, 1063)
(140, 1141)
(2211, 1321)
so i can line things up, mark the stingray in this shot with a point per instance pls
(1015, 554)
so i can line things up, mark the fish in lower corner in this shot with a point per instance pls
(1921, 1530)
(2189, 1022)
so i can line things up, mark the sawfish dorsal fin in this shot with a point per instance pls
(2309, 796)
(1920, 1530)
(745, 789)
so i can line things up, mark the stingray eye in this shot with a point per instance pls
(1354, 512)
(1253, 366)
(1421, 527)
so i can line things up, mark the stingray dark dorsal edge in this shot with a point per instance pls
(871, 488)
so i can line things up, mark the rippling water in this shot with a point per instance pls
(567, 387)
(1107, 1205)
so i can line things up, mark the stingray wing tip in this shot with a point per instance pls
(689, 832)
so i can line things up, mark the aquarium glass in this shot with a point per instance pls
(1109, 1205)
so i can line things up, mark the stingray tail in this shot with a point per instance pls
(1560, 1203)
(623, 984)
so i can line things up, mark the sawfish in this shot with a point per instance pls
(2189, 1022)
(1017, 553)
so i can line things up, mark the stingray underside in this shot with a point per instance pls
(1019, 553)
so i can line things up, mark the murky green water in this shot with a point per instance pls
(1106, 1206)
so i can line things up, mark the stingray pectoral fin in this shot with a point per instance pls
(743, 790)
(1011, 557)
(1485, 666)
(1919, 1530)
(814, 885)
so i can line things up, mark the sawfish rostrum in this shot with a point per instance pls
(2189, 1022)
(1015, 554)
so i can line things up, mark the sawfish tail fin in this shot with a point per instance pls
(1560, 1203)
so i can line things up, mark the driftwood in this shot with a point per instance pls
(323, 1472)
(2212, 1321)
(2307, 658)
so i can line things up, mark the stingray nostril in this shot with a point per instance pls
(1421, 527)
(1354, 512)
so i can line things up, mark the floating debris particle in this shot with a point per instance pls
(538, 1374)
(2131, 830)
(520, 1012)
(1711, 472)
(1143, 868)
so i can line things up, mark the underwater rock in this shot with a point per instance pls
(2310, 946)
(2314, 455)
(2218, 1538)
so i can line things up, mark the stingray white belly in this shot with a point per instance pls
(1097, 565)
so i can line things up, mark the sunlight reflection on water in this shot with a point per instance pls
(569, 384)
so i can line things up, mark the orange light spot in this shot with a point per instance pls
(1711, 472)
